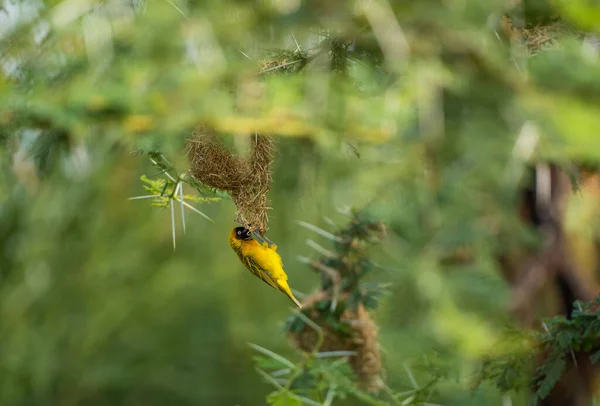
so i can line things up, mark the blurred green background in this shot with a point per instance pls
(423, 114)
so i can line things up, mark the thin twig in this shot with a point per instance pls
(297, 44)
(411, 377)
(165, 172)
(177, 8)
(315, 327)
(330, 395)
(319, 231)
(246, 55)
(142, 197)
(322, 250)
(273, 355)
(328, 354)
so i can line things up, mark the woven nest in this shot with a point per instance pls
(543, 37)
(246, 180)
(539, 38)
(282, 62)
(362, 339)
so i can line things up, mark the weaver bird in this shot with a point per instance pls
(263, 261)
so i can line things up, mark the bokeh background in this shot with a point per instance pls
(428, 116)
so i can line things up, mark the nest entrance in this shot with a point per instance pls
(246, 180)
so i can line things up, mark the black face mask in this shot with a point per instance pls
(242, 233)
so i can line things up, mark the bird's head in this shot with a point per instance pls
(242, 233)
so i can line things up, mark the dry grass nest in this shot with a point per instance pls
(361, 339)
(246, 180)
(543, 37)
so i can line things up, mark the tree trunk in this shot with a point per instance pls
(546, 282)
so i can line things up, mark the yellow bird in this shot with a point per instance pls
(263, 261)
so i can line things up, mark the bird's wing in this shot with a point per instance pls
(258, 271)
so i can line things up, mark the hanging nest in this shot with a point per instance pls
(246, 180)
(544, 37)
(361, 339)
(283, 62)
(539, 38)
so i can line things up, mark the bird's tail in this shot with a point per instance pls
(283, 286)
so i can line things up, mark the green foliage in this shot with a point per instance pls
(423, 113)
(325, 378)
(164, 190)
(342, 271)
(561, 339)
(320, 377)
(564, 336)
(549, 374)
(507, 372)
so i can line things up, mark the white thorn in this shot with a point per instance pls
(196, 210)
(173, 221)
(142, 197)
(180, 188)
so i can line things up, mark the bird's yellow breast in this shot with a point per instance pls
(267, 258)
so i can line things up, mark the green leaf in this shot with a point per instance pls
(283, 398)
(549, 374)
(370, 301)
